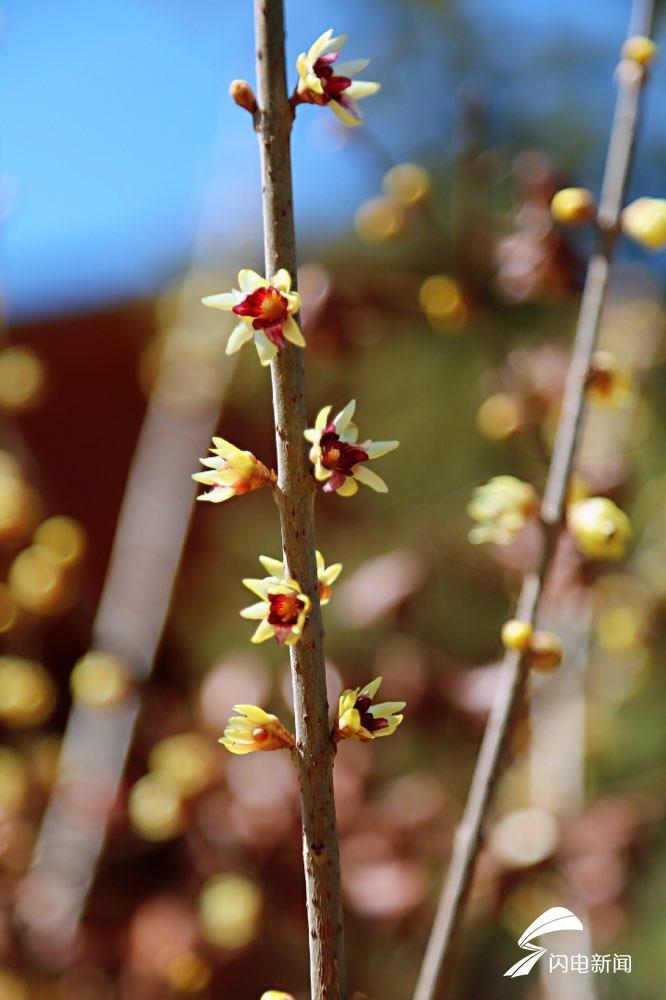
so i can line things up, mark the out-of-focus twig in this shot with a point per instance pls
(514, 670)
(182, 413)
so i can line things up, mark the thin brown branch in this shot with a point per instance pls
(295, 496)
(511, 685)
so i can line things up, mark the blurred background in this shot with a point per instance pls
(437, 291)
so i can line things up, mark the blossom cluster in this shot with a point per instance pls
(267, 310)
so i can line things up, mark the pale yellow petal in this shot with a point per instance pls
(249, 281)
(322, 418)
(258, 587)
(255, 714)
(346, 117)
(343, 418)
(348, 488)
(263, 632)
(361, 88)
(375, 449)
(281, 280)
(265, 349)
(351, 67)
(370, 478)
(292, 333)
(225, 300)
(255, 611)
(372, 688)
(274, 567)
(240, 334)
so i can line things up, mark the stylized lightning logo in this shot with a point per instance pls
(558, 918)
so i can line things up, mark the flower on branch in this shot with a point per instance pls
(639, 49)
(645, 222)
(231, 472)
(545, 651)
(609, 383)
(318, 83)
(572, 206)
(326, 575)
(516, 634)
(281, 612)
(599, 528)
(359, 719)
(254, 729)
(266, 308)
(337, 458)
(502, 506)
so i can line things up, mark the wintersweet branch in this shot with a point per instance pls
(517, 660)
(295, 496)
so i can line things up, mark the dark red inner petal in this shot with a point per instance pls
(274, 334)
(332, 85)
(267, 306)
(372, 724)
(284, 609)
(337, 455)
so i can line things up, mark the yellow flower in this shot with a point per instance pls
(571, 206)
(516, 634)
(609, 383)
(281, 612)
(326, 575)
(254, 729)
(645, 222)
(640, 49)
(231, 472)
(266, 308)
(600, 529)
(359, 719)
(319, 84)
(502, 507)
(338, 459)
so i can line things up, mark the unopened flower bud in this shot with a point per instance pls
(599, 528)
(516, 634)
(640, 49)
(645, 222)
(254, 729)
(545, 650)
(573, 206)
(242, 93)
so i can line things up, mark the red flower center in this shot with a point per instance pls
(332, 85)
(267, 306)
(368, 721)
(285, 609)
(337, 455)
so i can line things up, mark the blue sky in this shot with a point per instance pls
(117, 131)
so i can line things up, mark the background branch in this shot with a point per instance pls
(295, 496)
(515, 670)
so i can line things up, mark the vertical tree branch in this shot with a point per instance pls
(295, 496)
(514, 671)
